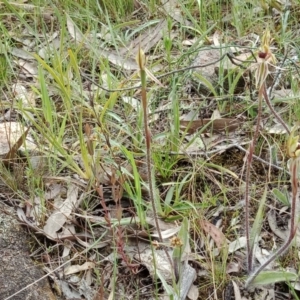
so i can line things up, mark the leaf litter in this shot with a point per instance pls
(64, 200)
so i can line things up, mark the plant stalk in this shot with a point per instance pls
(247, 196)
(277, 116)
(293, 227)
(141, 62)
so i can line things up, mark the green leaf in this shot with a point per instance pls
(206, 83)
(255, 231)
(269, 277)
(280, 196)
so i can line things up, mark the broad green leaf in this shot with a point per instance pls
(280, 196)
(270, 277)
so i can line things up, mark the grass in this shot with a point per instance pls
(90, 122)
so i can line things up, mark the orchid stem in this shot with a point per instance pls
(293, 227)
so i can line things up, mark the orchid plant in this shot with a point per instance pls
(266, 59)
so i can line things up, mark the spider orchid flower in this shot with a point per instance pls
(265, 59)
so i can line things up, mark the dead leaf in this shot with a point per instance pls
(276, 129)
(239, 243)
(21, 94)
(207, 56)
(13, 134)
(49, 46)
(193, 293)
(166, 233)
(58, 218)
(145, 41)
(133, 102)
(237, 292)
(216, 125)
(216, 115)
(20, 53)
(216, 234)
(173, 8)
(233, 267)
(161, 262)
(12, 153)
(29, 68)
(78, 268)
(53, 190)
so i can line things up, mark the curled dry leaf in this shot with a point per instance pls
(78, 268)
(161, 264)
(61, 213)
(215, 233)
(273, 226)
(239, 243)
(12, 153)
(233, 267)
(166, 233)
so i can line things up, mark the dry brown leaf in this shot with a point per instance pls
(29, 68)
(60, 215)
(173, 8)
(193, 293)
(12, 153)
(233, 267)
(161, 262)
(216, 234)
(239, 243)
(207, 56)
(21, 94)
(20, 53)
(78, 268)
(216, 125)
(145, 41)
(12, 134)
